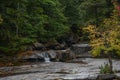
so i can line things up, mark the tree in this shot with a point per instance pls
(54, 26)
(28, 21)
(71, 11)
(106, 39)
(15, 18)
(94, 11)
(81, 13)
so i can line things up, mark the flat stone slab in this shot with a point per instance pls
(58, 70)
(106, 77)
(81, 45)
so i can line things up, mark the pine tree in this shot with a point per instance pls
(95, 11)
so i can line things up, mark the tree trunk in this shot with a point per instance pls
(110, 63)
(18, 16)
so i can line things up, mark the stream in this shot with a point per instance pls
(77, 69)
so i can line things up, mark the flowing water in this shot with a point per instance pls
(60, 70)
(47, 59)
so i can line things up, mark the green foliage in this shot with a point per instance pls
(15, 45)
(72, 11)
(23, 22)
(50, 24)
(106, 39)
(95, 11)
(105, 69)
(27, 21)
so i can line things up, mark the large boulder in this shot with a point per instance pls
(52, 54)
(27, 55)
(32, 55)
(81, 50)
(55, 46)
(64, 55)
(41, 55)
(37, 55)
(38, 46)
(29, 47)
(57, 55)
(35, 46)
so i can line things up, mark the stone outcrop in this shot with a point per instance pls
(52, 54)
(38, 46)
(57, 55)
(81, 50)
(55, 46)
(64, 55)
(46, 46)
(35, 46)
(106, 77)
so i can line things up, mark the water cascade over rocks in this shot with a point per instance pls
(76, 50)
(46, 57)
(36, 56)
(63, 71)
(54, 55)
(66, 67)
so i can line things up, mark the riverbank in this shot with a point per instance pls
(59, 70)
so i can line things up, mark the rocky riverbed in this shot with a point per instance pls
(77, 69)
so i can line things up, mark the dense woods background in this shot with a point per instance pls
(23, 22)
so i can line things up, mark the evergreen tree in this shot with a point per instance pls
(94, 11)
(27, 21)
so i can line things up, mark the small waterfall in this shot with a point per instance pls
(46, 57)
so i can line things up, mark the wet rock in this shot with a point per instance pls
(38, 46)
(29, 47)
(81, 50)
(60, 47)
(59, 55)
(64, 55)
(58, 79)
(55, 46)
(60, 70)
(43, 54)
(118, 75)
(33, 56)
(46, 54)
(106, 77)
(26, 55)
(52, 54)
(51, 45)
(35, 46)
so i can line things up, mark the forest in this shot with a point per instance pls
(50, 24)
(23, 22)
